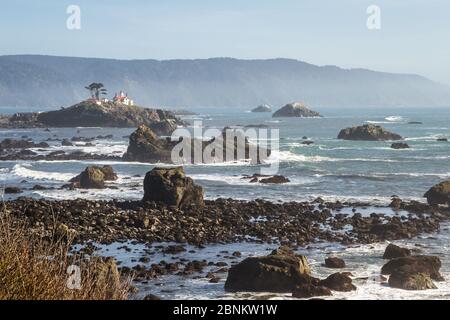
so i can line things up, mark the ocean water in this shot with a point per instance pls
(330, 168)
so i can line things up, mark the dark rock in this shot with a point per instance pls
(442, 139)
(429, 265)
(399, 145)
(277, 179)
(334, 262)
(281, 271)
(172, 187)
(338, 282)
(66, 142)
(38, 187)
(296, 109)
(262, 108)
(10, 190)
(21, 144)
(403, 279)
(439, 194)
(415, 122)
(146, 146)
(307, 142)
(367, 132)
(94, 177)
(392, 251)
(310, 290)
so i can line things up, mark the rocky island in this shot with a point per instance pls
(368, 132)
(262, 108)
(91, 114)
(295, 109)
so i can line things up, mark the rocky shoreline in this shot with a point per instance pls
(224, 221)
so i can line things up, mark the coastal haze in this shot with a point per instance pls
(49, 81)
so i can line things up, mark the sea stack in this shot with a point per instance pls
(368, 132)
(295, 109)
(262, 108)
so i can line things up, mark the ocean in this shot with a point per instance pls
(330, 168)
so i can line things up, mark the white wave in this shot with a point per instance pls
(288, 156)
(395, 119)
(432, 137)
(238, 180)
(22, 171)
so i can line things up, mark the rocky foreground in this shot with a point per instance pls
(173, 209)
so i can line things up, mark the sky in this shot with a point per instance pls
(413, 38)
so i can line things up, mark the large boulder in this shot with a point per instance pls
(296, 109)
(439, 194)
(334, 263)
(338, 282)
(403, 279)
(146, 146)
(392, 251)
(429, 265)
(262, 108)
(172, 187)
(368, 132)
(399, 145)
(94, 177)
(21, 144)
(281, 271)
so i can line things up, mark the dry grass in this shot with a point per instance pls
(32, 268)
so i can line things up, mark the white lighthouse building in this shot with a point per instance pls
(123, 98)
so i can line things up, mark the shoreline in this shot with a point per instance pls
(228, 221)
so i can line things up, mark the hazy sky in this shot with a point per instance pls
(414, 35)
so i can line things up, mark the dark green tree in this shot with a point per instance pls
(96, 89)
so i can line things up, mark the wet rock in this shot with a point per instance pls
(276, 179)
(21, 144)
(146, 146)
(39, 187)
(429, 265)
(439, 194)
(442, 139)
(392, 251)
(310, 290)
(399, 145)
(281, 271)
(295, 109)
(338, 282)
(403, 279)
(66, 142)
(10, 190)
(172, 187)
(94, 177)
(307, 142)
(334, 262)
(367, 132)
